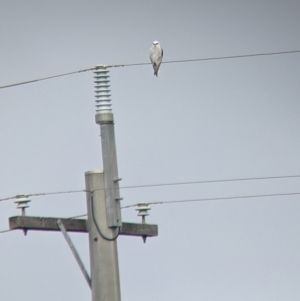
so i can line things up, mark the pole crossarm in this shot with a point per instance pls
(75, 225)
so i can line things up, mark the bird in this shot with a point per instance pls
(156, 55)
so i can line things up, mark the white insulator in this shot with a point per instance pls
(143, 209)
(22, 201)
(102, 89)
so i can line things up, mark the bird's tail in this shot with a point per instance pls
(157, 72)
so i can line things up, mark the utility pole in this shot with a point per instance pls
(104, 223)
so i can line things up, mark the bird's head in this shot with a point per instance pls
(155, 43)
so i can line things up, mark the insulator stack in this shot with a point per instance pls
(143, 211)
(22, 201)
(102, 89)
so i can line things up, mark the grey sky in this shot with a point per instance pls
(196, 121)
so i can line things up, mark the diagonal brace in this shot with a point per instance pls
(75, 253)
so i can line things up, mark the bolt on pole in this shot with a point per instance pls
(104, 117)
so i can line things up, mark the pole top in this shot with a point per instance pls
(93, 171)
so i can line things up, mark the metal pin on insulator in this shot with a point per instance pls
(143, 212)
(22, 201)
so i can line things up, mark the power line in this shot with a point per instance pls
(4, 231)
(45, 193)
(57, 192)
(210, 58)
(77, 216)
(161, 185)
(141, 64)
(217, 199)
(45, 78)
(210, 181)
(203, 200)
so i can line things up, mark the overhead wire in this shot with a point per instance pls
(56, 192)
(216, 199)
(204, 200)
(77, 216)
(4, 231)
(141, 64)
(161, 185)
(45, 78)
(44, 193)
(210, 58)
(175, 202)
(209, 181)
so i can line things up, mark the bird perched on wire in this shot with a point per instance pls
(156, 55)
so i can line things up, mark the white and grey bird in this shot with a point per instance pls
(156, 55)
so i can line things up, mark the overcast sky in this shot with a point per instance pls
(210, 120)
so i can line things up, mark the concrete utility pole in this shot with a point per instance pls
(103, 201)
(104, 222)
(103, 243)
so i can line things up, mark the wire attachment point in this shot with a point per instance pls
(22, 201)
(143, 212)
